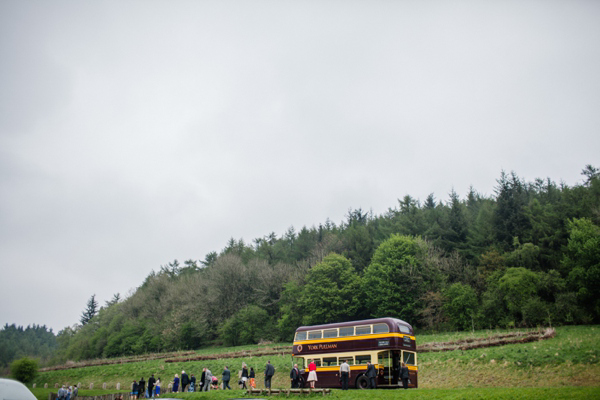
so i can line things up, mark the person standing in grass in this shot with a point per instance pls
(295, 376)
(207, 380)
(226, 377)
(269, 372)
(142, 388)
(345, 374)
(75, 392)
(62, 392)
(192, 383)
(202, 378)
(312, 373)
(252, 377)
(185, 380)
(158, 387)
(134, 390)
(151, 382)
(371, 375)
(404, 375)
(176, 384)
(244, 375)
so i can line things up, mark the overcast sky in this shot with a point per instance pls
(135, 133)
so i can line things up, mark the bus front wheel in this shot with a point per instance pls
(362, 382)
(301, 382)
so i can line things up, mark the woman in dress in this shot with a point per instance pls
(176, 384)
(244, 375)
(312, 373)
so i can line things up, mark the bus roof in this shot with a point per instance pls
(392, 322)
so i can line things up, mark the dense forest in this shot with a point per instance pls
(34, 341)
(528, 255)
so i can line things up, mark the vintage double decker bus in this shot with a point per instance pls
(385, 342)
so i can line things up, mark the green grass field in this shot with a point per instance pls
(566, 366)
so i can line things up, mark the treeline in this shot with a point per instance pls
(528, 255)
(35, 341)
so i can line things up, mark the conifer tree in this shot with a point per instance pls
(90, 310)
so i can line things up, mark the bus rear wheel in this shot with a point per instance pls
(362, 382)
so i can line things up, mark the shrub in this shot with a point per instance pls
(535, 312)
(461, 305)
(24, 369)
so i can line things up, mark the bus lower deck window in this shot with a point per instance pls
(349, 360)
(363, 359)
(328, 361)
(409, 358)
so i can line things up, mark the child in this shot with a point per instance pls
(157, 391)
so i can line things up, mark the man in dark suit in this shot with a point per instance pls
(151, 382)
(295, 376)
(372, 375)
(185, 381)
(226, 377)
(269, 372)
(142, 388)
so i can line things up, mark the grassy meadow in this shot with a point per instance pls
(565, 366)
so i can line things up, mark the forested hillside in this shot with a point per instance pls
(526, 256)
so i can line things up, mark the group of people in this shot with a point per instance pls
(140, 391)
(372, 376)
(67, 393)
(208, 381)
(188, 383)
(345, 375)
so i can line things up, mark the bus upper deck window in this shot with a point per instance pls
(381, 328)
(347, 331)
(404, 328)
(300, 336)
(330, 333)
(315, 334)
(363, 330)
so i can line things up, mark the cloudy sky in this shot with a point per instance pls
(133, 133)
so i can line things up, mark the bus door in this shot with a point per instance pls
(396, 357)
(410, 359)
(385, 359)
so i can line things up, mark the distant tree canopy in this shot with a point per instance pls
(526, 256)
(34, 341)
